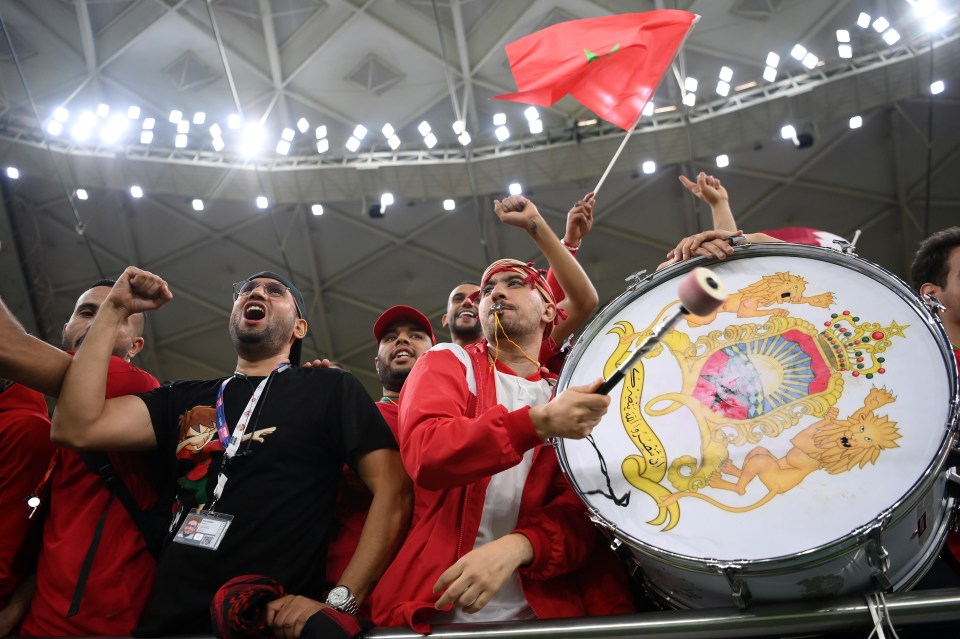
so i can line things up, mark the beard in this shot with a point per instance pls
(73, 345)
(261, 343)
(391, 379)
(472, 332)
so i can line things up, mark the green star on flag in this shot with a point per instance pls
(591, 56)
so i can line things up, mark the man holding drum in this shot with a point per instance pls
(499, 531)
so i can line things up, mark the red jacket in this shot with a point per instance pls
(25, 452)
(454, 437)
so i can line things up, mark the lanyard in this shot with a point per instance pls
(232, 442)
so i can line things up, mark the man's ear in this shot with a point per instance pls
(300, 328)
(135, 348)
(929, 288)
(549, 312)
(443, 321)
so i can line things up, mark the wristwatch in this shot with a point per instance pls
(343, 600)
(737, 240)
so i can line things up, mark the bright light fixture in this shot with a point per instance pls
(937, 87)
(845, 51)
(936, 21)
(262, 202)
(287, 134)
(647, 109)
(515, 189)
(234, 121)
(499, 119)
(60, 114)
(183, 126)
(773, 60)
(690, 99)
(649, 167)
(424, 128)
(216, 131)
(252, 139)
(148, 124)
(863, 20)
(798, 51)
(723, 88)
(770, 74)
(891, 36)
(321, 131)
(303, 125)
(810, 60)
(386, 200)
(690, 84)
(923, 8)
(133, 113)
(87, 120)
(197, 204)
(353, 144)
(880, 24)
(726, 74)
(80, 133)
(103, 110)
(464, 138)
(856, 122)
(114, 128)
(323, 145)
(531, 113)
(199, 118)
(459, 127)
(146, 137)
(430, 140)
(136, 192)
(449, 205)
(843, 35)
(317, 209)
(14, 173)
(387, 130)
(502, 133)
(283, 147)
(54, 127)
(723, 160)
(180, 141)
(81, 194)
(360, 132)
(218, 144)
(175, 116)
(788, 132)
(536, 126)
(393, 142)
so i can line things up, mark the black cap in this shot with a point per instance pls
(297, 345)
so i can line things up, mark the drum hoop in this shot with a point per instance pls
(855, 263)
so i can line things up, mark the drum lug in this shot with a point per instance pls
(615, 544)
(953, 483)
(933, 303)
(878, 557)
(636, 279)
(739, 589)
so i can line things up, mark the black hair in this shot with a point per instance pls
(930, 264)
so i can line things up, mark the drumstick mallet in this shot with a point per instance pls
(700, 293)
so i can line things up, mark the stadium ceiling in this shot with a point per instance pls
(296, 66)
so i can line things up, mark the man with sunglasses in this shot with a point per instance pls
(258, 455)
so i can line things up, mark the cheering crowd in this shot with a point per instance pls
(158, 509)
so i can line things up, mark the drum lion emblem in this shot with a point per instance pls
(752, 381)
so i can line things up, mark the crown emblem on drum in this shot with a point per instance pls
(856, 346)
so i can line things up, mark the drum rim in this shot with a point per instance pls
(854, 537)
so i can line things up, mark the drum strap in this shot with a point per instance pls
(877, 605)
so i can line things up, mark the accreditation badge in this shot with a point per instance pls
(203, 528)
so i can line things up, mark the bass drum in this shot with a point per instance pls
(791, 445)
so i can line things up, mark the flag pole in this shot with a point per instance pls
(615, 156)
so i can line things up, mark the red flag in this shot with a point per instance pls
(611, 65)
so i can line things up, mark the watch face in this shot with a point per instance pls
(338, 596)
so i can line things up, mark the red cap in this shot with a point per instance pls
(396, 314)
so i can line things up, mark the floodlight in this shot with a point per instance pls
(148, 124)
(387, 130)
(844, 51)
(863, 20)
(136, 192)
(690, 84)
(649, 167)
(146, 137)
(690, 99)
(531, 113)
(287, 134)
(843, 35)
(880, 24)
(262, 202)
(303, 125)
(464, 138)
(723, 161)
(81, 194)
(216, 131)
(54, 127)
(183, 126)
(283, 147)
(856, 122)
(937, 87)
(218, 144)
(14, 173)
(502, 133)
(723, 88)
(175, 116)
(424, 128)
(386, 200)
(353, 144)
(726, 74)
(393, 142)
(199, 118)
(317, 209)
(536, 126)
(103, 110)
(180, 141)
(234, 121)
(499, 119)
(449, 205)
(430, 140)
(788, 132)
(798, 51)
(197, 204)
(515, 189)
(323, 145)
(360, 132)
(60, 114)
(321, 131)
(773, 60)
(133, 113)
(810, 61)
(891, 36)
(459, 127)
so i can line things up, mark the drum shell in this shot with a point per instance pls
(687, 580)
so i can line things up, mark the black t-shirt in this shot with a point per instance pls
(281, 488)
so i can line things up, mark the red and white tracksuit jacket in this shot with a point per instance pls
(453, 437)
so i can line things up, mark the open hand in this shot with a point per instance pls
(472, 582)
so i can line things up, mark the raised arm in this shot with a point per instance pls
(28, 360)
(581, 297)
(83, 418)
(709, 189)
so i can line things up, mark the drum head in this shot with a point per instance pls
(816, 400)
